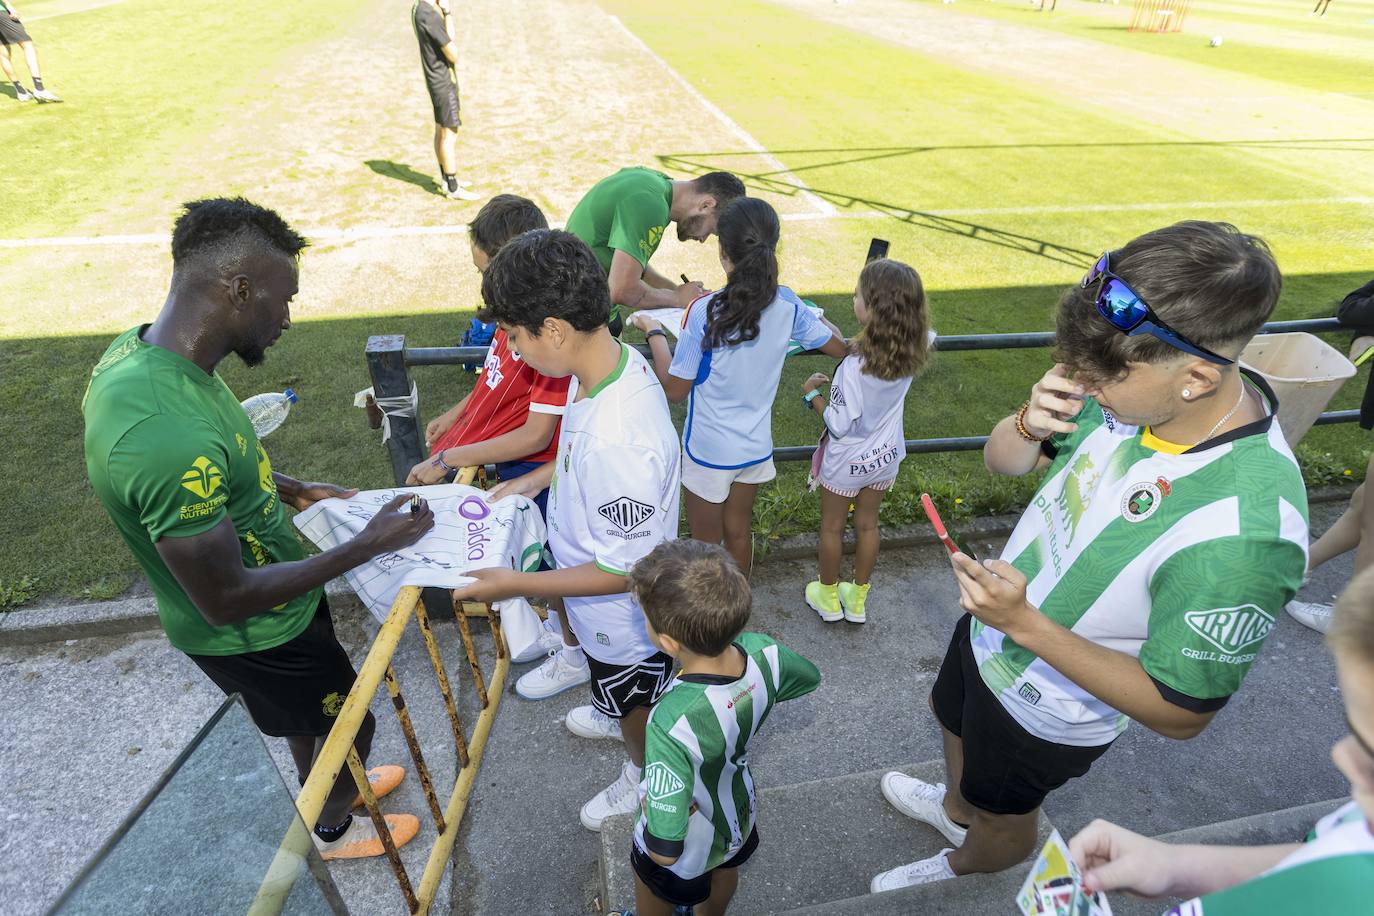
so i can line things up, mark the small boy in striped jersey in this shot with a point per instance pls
(694, 833)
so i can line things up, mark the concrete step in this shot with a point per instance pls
(819, 842)
(996, 894)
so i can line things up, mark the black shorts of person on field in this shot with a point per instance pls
(12, 31)
(444, 97)
(292, 690)
(617, 690)
(1007, 770)
(684, 891)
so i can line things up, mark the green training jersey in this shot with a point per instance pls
(1332, 874)
(171, 453)
(626, 212)
(697, 796)
(1182, 558)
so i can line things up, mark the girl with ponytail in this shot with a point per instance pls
(727, 366)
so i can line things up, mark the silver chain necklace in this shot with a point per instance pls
(1229, 414)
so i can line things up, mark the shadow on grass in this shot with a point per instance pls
(56, 532)
(388, 169)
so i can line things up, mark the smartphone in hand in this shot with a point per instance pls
(877, 248)
(952, 541)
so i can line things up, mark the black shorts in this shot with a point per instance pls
(12, 31)
(292, 690)
(1007, 770)
(619, 689)
(685, 891)
(444, 97)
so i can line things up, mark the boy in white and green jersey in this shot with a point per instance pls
(697, 820)
(1331, 874)
(1167, 534)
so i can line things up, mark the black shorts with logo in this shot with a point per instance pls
(292, 690)
(12, 31)
(444, 97)
(1007, 770)
(617, 690)
(684, 891)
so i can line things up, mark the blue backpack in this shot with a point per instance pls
(478, 334)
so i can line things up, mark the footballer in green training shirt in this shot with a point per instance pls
(176, 463)
(623, 218)
(1168, 532)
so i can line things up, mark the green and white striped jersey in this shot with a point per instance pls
(1332, 874)
(696, 796)
(1181, 558)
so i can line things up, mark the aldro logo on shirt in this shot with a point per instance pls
(1230, 630)
(660, 783)
(626, 514)
(203, 479)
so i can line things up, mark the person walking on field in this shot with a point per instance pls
(433, 24)
(177, 465)
(623, 218)
(13, 34)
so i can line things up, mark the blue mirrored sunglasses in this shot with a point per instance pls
(1130, 315)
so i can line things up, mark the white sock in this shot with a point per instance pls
(634, 771)
(553, 624)
(575, 654)
(944, 861)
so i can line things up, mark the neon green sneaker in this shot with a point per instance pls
(824, 601)
(852, 598)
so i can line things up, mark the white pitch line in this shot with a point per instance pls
(821, 206)
(363, 233)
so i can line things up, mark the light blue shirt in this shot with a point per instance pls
(730, 408)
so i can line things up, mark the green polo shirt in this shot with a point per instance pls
(626, 212)
(171, 453)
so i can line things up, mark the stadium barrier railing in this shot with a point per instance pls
(389, 361)
(339, 749)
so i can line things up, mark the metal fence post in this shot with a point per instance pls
(390, 379)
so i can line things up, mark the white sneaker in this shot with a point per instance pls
(550, 638)
(620, 797)
(556, 675)
(460, 193)
(590, 722)
(924, 802)
(1310, 614)
(547, 641)
(926, 871)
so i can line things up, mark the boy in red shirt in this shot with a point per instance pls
(511, 416)
(509, 419)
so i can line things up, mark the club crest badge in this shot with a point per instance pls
(1142, 500)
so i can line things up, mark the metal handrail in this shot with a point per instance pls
(389, 360)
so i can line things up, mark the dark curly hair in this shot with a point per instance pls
(1210, 282)
(546, 273)
(222, 230)
(748, 231)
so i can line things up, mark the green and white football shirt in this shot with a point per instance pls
(697, 796)
(1183, 559)
(1332, 874)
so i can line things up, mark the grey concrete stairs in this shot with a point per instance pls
(821, 841)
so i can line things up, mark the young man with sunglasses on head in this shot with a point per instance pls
(1168, 532)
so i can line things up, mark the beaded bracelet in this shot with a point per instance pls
(1021, 424)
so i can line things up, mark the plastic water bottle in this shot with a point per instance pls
(268, 411)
